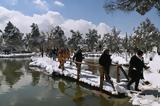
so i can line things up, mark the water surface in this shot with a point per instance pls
(21, 86)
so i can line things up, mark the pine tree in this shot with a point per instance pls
(146, 36)
(112, 40)
(75, 40)
(125, 42)
(107, 40)
(35, 31)
(1, 39)
(92, 39)
(115, 40)
(50, 43)
(13, 37)
(26, 41)
(141, 6)
(34, 38)
(59, 37)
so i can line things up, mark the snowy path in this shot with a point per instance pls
(150, 92)
(86, 76)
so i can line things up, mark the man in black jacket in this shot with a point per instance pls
(136, 66)
(78, 57)
(105, 62)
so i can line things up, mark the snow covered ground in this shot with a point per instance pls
(148, 97)
(16, 55)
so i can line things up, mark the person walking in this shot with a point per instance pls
(136, 66)
(105, 62)
(78, 57)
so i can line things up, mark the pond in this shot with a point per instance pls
(20, 86)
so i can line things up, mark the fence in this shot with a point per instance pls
(101, 72)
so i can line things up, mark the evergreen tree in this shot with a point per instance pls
(115, 40)
(34, 38)
(107, 40)
(59, 37)
(112, 41)
(141, 6)
(26, 41)
(8, 30)
(130, 47)
(50, 43)
(75, 40)
(92, 39)
(125, 42)
(13, 37)
(1, 39)
(35, 31)
(100, 45)
(146, 36)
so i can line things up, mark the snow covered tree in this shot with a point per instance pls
(75, 40)
(115, 40)
(100, 45)
(35, 31)
(1, 39)
(13, 37)
(125, 42)
(107, 40)
(34, 37)
(92, 39)
(146, 36)
(112, 41)
(130, 44)
(141, 6)
(50, 43)
(26, 41)
(59, 37)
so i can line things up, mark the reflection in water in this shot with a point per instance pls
(77, 95)
(35, 77)
(61, 86)
(23, 87)
(11, 71)
(84, 97)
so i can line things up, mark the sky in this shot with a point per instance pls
(70, 14)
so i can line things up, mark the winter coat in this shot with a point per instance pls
(136, 66)
(105, 60)
(78, 55)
